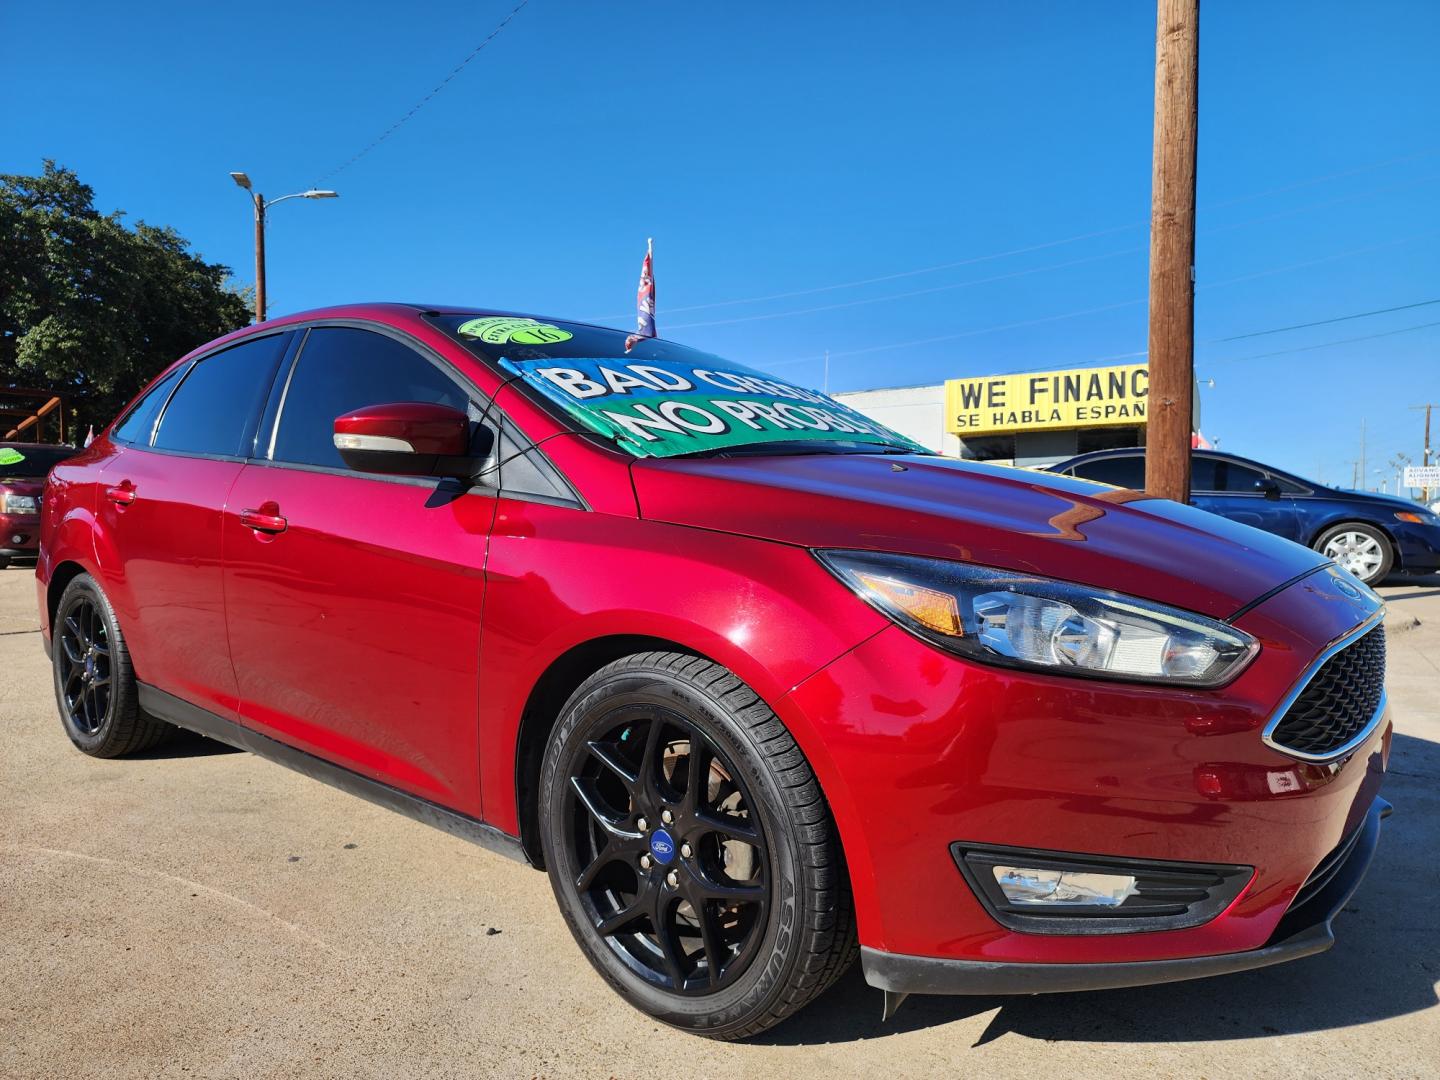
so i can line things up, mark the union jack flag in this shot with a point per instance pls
(644, 300)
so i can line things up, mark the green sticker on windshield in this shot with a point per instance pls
(11, 456)
(503, 329)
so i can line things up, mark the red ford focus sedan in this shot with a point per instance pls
(760, 683)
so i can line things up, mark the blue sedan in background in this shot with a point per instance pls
(1369, 535)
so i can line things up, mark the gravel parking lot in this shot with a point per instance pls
(201, 912)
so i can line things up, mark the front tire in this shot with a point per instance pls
(690, 848)
(1363, 550)
(94, 681)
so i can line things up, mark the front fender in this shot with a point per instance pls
(559, 579)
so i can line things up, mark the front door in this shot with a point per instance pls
(354, 600)
(1244, 494)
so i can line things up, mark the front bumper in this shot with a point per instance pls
(1304, 931)
(1418, 547)
(918, 750)
(19, 535)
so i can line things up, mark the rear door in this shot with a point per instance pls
(354, 600)
(1245, 494)
(160, 507)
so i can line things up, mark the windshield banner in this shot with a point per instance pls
(663, 408)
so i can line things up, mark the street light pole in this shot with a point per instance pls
(261, 206)
(259, 257)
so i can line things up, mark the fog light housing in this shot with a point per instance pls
(1031, 886)
(1061, 892)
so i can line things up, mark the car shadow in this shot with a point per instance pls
(1385, 963)
(1398, 587)
(184, 744)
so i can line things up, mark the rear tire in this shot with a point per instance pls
(706, 884)
(95, 687)
(1362, 549)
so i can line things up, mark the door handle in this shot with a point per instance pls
(266, 520)
(123, 494)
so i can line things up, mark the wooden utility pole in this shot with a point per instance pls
(1172, 250)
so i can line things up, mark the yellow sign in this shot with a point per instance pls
(1076, 398)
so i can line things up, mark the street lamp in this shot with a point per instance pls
(262, 205)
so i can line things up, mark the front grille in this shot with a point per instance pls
(1338, 702)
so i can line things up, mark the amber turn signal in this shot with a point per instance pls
(932, 608)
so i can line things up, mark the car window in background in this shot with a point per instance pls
(1241, 478)
(342, 369)
(139, 423)
(1203, 473)
(1288, 487)
(31, 462)
(1128, 471)
(211, 410)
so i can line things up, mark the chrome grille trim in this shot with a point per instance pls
(1304, 682)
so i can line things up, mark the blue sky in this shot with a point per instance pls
(789, 148)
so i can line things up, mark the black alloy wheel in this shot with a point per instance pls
(82, 666)
(674, 864)
(690, 847)
(95, 686)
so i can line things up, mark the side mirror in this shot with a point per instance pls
(410, 438)
(1270, 489)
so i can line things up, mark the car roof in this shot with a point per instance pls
(385, 312)
(1139, 451)
(1217, 455)
(380, 309)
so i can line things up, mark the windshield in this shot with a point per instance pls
(665, 400)
(31, 462)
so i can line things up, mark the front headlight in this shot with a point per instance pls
(1015, 620)
(1418, 517)
(11, 503)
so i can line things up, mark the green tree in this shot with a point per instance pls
(91, 307)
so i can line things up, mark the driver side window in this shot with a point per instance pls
(340, 369)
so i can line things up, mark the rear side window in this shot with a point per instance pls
(139, 423)
(212, 410)
(1226, 476)
(341, 369)
(1235, 477)
(1128, 471)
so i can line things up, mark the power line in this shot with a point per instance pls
(914, 292)
(1104, 307)
(426, 99)
(1021, 273)
(1307, 182)
(1329, 344)
(891, 277)
(998, 277)
(1323, 322)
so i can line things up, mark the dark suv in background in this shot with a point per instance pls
(1369, 535)
(23, 468)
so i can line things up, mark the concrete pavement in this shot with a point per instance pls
(201, 912)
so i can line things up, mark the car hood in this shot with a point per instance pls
(1013, 519)
(1371, 498)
